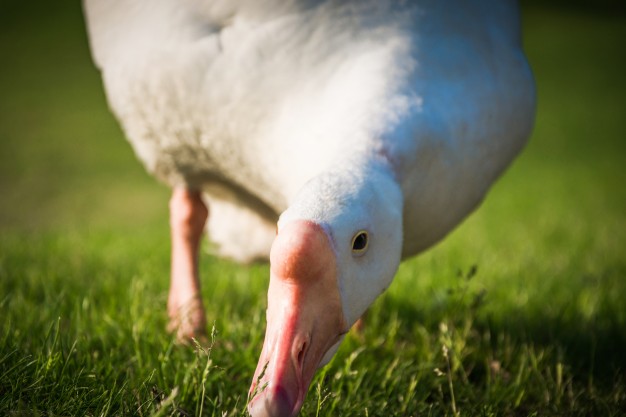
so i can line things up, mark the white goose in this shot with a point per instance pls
(366, 129)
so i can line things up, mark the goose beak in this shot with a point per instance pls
(304, 319)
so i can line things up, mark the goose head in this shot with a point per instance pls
(337, 249)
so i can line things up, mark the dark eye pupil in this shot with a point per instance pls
(360, 242)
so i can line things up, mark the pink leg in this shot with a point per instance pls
(359, 326)
(188, 214)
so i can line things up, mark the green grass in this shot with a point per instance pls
(518, 312)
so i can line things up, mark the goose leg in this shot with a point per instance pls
(188, 215)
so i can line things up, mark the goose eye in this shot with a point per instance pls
(360, 242)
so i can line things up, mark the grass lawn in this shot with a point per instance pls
(521, 311)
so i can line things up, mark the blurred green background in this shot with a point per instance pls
(63, 161)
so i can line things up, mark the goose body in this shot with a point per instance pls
(389, 118)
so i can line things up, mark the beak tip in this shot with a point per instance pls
(275, 403)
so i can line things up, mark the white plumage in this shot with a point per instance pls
(393, 117)
(258, 98)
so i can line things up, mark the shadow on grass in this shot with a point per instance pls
(591, 346)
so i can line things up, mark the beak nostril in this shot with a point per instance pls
(301, 354)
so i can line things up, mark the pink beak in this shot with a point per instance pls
(304, 319)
